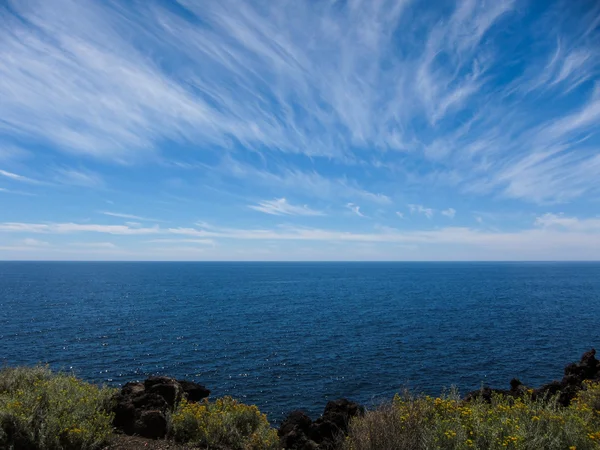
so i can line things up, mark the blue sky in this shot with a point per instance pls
(299, 130)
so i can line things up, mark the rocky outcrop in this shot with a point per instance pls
(517, 389)
(566, 389)
(141, 408)
(299, 432)
(572, 382)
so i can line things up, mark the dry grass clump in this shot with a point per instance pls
(447, 423)
(43, 410)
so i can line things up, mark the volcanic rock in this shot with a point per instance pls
(142, 408)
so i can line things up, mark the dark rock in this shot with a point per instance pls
(345, 407)
(588, 368)
(296, 420)
(293, 432)
(125, 415)
(132, 388)
(299, 432)
(486, 394)
(194, 392)
(142, 408)
(152, 424)
(171, 393)
(154, 380)
(515, 384)
(149, 400)
(167, 388)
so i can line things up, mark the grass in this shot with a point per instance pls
(43, 410)
(447, 423)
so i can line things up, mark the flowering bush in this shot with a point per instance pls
(224, 423)
(42, 410)
(447, 423)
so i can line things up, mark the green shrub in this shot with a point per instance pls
(224, 423)
(42, 410)
(447, 423)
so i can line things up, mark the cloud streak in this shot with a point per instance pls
(420, 209)
(281, 207)
(252, 77)
(355, 209)
(16, 177)
(549, 233)
(129, 216)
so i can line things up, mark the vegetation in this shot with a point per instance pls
(42, 410)
(224, 423)
(447, 423)
(51, 411)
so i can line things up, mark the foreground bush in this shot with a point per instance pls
(447, 423)
(224, 423)
(42, 410)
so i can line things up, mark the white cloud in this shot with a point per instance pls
(94, 245)
(450, 212)
(355, 209)
(69, 227)
(11, 153)
(400, 214)
(420, 209)
(209, 242)
(75, 177)
(281, 207)
(129, 216)
(310, 89)
(11, 191)
(17, 177)
(244, 72)
(309, 183)
(550, 235)
(525, 244)
(34, 242)
(550, 220)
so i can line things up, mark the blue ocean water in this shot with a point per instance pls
(293, 335)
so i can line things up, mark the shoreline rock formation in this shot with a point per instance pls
(299, 432)
(587, 369)
(141, 408)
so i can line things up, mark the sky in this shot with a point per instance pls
(299, 130)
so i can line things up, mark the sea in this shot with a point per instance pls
(288, 336)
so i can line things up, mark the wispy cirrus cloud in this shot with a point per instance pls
(550, 220)
(70, 227)
(94, 245)
(450, 212)
(281, 207)
(548, 234)
(11, 152)
(420, 209)
(78, 177)
(12, 191)
(129, 216)
(276, 104)
(251, 77)
(17, 177)
(355, 209)
(308, 183)
(209, 242)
